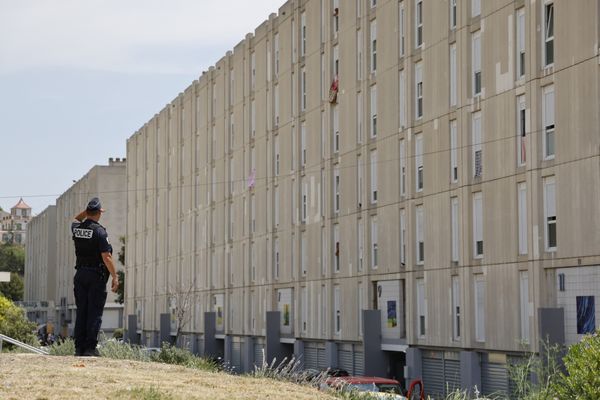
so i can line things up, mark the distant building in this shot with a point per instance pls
(13, 225)
(50, 257)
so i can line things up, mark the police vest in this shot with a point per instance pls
(91, 241)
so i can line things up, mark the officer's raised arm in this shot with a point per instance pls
(81, 216)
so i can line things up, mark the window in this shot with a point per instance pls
(524, 305)
(418, 90)
(373, 3)
(373, 111)
(276, 194)
(323, 309)
(479, 308)
(336, 189)
(401, 29)
(521, 43)
(361, 244)
(453, 14)
(521, 132)
(336, 129)
(561, 282)
(522, 210)
(293, 139)
(231, 176)
(418, 162)
(477, 225)
(421, 307)
(277, 157)
(455, 307)
(231, 132)
(253, 118)
(359, 117)
(373, 46)
(303, 34)
(336, 61)
(550, 213)
(455, 230)
(418, 23)
(276, 257)
(419, 217)
(374, 245)
(476, 149)
(453, 152)
(323, 134)
(548, 121)
(475, 8)
(253, 213)
(548, 33)
(402, 237)
(336, 17)
(304, 200)
(402, 168)
(231, 87)
(361, 307)
(374, 176)
(402, 99)
(359, 54)
(453, 74)
(253, 70)
(324, 252)
(360, 180)
(303, 252)
(476, 62)
(303, 89)
(336, 242)
(304, 308)
(276, 105)
(337, 309)
(276, 44)
(303, 143)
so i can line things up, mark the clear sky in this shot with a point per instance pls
(78, 77)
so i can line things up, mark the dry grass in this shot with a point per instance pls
(29, 376)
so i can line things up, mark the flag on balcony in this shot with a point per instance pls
(333, 91)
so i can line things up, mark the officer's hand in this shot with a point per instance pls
(115, 283)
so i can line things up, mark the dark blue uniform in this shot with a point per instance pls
(90, 280)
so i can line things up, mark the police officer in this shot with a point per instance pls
(94, 265)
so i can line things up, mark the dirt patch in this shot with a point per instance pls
(29, 376)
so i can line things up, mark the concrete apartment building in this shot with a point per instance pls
(41, 267)
(401, 188)
(50, 253)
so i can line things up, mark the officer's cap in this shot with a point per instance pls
(94, 205)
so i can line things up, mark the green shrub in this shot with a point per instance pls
(174, 355)
(14, 324)
(582, 380)
(62, 348)
(112, 348)
(118, 333)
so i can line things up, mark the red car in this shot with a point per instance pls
(387, 388)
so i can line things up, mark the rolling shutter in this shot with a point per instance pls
(258, 354)
(310, 357)
(236, 356)
(433, 374)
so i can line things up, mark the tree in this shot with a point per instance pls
(121, 287)
(121, 274)
(12, 258)
(183, 300)
(14, 289)
(13, 322)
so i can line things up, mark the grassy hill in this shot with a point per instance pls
(29, 376)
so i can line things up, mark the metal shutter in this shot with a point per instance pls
(451, 375)
(236, 356)
(321, 358)
(433, 375)
(346, 361)
(359, 363)
(494, 378)
(258, 354)
(310, 357)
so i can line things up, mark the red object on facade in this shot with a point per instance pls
(333, 91)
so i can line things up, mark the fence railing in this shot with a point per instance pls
(22, 345)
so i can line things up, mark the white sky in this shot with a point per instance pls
(78, 77)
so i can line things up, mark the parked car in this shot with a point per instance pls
(380, 387)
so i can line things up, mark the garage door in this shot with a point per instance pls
(236, 356)
(441, 372)
(310, 357)
(259, 354)
(346, 360)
